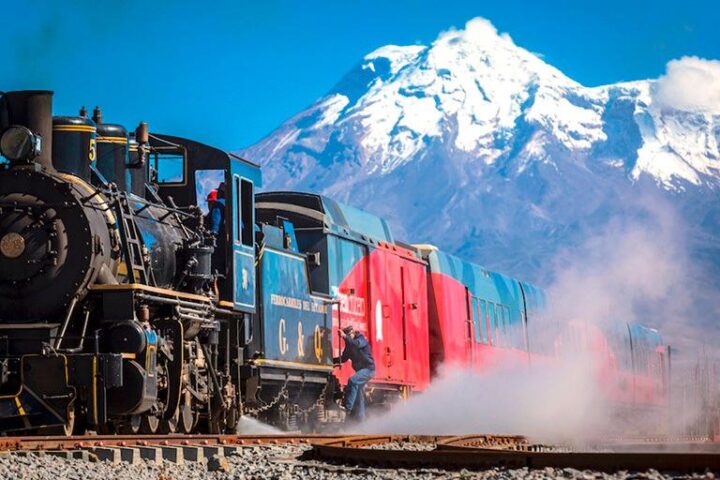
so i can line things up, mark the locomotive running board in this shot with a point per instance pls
(147, 288)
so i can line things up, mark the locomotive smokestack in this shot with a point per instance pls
(83, 111)
(31, 109)
(97, 116)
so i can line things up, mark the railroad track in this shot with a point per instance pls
(90, 441)
(133, 449)
(480, 452)
(476, 452)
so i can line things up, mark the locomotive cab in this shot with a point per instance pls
(185, 173)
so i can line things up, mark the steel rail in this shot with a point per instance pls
(480, 452)
(89, 441)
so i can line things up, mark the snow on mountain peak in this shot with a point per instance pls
(481, 102)
(396, 55)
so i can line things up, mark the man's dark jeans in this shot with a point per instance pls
(355, 394)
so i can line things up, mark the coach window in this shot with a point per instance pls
(476, 322)
(483, 320)
(512, 340)
(504, 325)
(491, 323)
(497, 324)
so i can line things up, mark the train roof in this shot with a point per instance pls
(645, 334)
(202, 154)
(311, 210)
(475, 276)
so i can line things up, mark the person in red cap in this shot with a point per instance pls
(358, 351)
(217, 211)
(211, 198)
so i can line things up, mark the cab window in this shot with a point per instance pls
(170, 167)
(246, 212)
(207, 181)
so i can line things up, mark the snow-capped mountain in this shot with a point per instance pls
(477, 145)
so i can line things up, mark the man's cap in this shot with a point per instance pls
(348, 329)
(212, 196)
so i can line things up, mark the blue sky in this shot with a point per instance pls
(227, 73)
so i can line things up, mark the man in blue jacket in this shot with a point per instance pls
(358, 351)
(217, 211)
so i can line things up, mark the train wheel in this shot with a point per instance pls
(217, 425)
(109, 428)
(149, 424)
(187, 419)
(69, 427)
(65, 430)
(169, 425)
(232, 420)
(132, 426)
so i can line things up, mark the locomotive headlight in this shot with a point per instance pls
(19, 143)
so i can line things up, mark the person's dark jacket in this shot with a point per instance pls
(358, 351)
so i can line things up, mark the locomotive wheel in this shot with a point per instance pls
(149, 424)
(132, 426)
(69, 427)
(65, 430)
(232, 419)
(216, 425)
(169, 425)
(109, 428)
(187, 419)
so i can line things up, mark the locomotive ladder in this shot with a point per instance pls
(137, 269)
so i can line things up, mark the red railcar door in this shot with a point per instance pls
(415, 354)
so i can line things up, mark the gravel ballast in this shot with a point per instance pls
(277, 462)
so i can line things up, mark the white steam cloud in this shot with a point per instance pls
(547, 403)
(637, 270)
(690, 84)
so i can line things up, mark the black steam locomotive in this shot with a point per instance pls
(119, 310)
